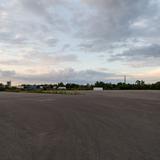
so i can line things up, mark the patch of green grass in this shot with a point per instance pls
(58, 92)
(64, 92)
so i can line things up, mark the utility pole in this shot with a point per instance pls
(125, 79)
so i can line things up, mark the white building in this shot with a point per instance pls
(62, 88)
(98, 89)
(20, 87)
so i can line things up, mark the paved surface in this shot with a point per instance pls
(112, 125)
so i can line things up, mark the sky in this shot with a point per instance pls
(79, 41)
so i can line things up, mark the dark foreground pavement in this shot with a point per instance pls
(113, 125)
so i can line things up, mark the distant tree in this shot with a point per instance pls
(142, 83)
(156, 85)
(2, 88)
(99, 84)
(138, 82)
(61, 84)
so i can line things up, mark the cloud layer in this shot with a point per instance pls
(50, 36)
(68, 75)
(140, 56)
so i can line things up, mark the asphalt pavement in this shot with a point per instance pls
(109, 125)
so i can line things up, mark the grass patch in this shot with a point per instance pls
(63, 92)
(57, 92)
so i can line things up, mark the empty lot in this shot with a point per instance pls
(110, 125)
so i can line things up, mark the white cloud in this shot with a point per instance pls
(55, 33)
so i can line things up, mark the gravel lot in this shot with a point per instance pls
(109, 125)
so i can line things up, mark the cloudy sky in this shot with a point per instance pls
(45, 41)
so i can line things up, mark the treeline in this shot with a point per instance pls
(138, 85)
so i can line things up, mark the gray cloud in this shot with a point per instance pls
(67, 75)
(48, 32)
(111, 21)
(96, 23)
(70, 75)
(27, 23)
(96, 46)
(65, 47)
(39, 8)
(40, 58)
(48, 58)
(141, 56)
(7, 73)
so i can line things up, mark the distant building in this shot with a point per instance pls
(62, 88)
(54, 87)
(20, 87)
(41, 87)
(9, 84)
(30, 87)
(98, 89)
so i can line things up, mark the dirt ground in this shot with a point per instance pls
(109, 125)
